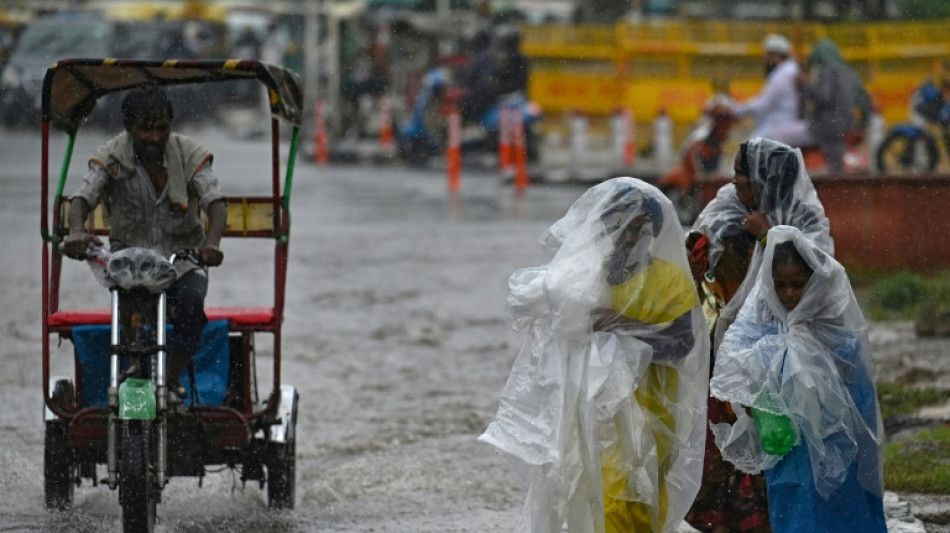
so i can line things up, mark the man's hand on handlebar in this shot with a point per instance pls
(76, 244)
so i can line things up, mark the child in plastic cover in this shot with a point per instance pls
(604, 409)
(798, 358)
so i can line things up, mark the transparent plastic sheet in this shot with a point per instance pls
(739, 443)
(140, 267)
(787, 196)
(569, 419)
(97, 257)
(811, 364)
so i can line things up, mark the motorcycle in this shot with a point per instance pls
(703, 146)
(137, 445)
(699, 155)
(912, 147)
(425, 132)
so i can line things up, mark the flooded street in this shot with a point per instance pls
(395, 336)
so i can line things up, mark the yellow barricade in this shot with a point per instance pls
(677, 66)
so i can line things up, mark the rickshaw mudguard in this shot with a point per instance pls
(137, 399)
(283, 431)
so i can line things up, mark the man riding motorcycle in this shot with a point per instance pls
(834, 102)
(503, 71)
(931, 101)
(155, 183)
(776, 105)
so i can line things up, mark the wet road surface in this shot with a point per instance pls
(395, 336)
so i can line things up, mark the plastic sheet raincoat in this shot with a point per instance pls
(811, 364)
(604, 409)
(787, 196)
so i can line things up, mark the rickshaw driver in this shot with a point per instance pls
(153, 183)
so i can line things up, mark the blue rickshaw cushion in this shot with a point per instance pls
(211, 364)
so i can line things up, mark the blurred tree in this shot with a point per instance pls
(811, 10)
(604, 11)
(924, 9)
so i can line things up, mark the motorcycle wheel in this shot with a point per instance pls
(136, 480)
(906, 151)
(282, 469)
(57, 467)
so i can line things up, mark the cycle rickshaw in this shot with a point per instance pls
(100, 415)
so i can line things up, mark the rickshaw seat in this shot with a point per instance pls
(211, 363)
(245, 317)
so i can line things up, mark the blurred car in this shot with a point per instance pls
(55, 37)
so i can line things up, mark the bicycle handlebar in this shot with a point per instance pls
(189, 254)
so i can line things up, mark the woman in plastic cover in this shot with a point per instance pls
(770, 187)
(604, 409)
(798, 358)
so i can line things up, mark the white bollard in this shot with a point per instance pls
(877, 128)
(507, 116)
(663, 141)
(624, 137)
(578, 129)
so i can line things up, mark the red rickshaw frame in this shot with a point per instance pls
(70, 90)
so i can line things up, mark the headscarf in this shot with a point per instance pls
(784, 191)
(811, 364)
(825, 52)
(569, 401)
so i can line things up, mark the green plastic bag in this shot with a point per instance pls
(775, 431)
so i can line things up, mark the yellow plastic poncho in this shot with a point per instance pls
(604, 409)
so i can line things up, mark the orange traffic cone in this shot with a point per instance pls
(320, 150)
(453, 153)
(386, 125)
(521, 152)
(629, 136)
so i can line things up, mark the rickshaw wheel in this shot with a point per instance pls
(281, 474)
(282, 469)
(136, 484)
(57, 467)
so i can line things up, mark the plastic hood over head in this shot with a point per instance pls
(612, 308)
(784, 191)
(811, 364)
(825, 52)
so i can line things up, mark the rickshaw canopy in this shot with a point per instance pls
(72, 86)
